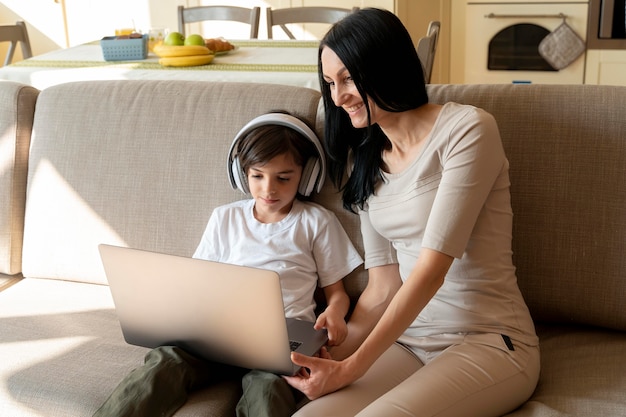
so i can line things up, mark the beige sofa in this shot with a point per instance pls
(142, 163)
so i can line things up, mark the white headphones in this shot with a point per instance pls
(313, 171)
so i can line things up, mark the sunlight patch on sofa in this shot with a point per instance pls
(72, 229)
(34, 351)
(7, 151)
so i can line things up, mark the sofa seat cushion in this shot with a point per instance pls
(63, 353)
(582, 373)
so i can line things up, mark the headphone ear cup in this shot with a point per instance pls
(309, 178)
(239, 176)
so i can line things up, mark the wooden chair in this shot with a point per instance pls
(426, 48)
(250, 16)
(282, 17)
(14, 34)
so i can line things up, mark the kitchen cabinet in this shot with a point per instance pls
(606, 67)
(502, 42)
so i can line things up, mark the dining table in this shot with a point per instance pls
(291, 62)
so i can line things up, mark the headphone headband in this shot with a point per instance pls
(279, 119)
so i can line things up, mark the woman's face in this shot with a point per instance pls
(343, 91)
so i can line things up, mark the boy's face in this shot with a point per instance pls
(274, 186)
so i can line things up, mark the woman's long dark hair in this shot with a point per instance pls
(379, 54)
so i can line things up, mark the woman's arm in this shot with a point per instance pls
(424, 281)
(326, 376)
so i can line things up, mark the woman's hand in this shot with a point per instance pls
(319, 376)
(384, 310)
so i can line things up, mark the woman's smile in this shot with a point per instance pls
(353, 109)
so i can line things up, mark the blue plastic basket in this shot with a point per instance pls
(114, 49)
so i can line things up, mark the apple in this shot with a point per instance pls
(194, 39)
(174, 39)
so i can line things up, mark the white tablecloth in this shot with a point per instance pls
(278, 62)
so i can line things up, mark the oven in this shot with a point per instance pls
(503, 37)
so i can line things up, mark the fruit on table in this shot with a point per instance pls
(168, 51)
(183, 55)
(192, 53)
(174, 38)
(219, 45)
(186, 61)
(194, 39)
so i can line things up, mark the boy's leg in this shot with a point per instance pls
(266, 395)
(160, 386)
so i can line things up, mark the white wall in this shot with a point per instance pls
(45, 28)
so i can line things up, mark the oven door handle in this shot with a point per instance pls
(526, 16)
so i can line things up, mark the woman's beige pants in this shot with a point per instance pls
(479, 377)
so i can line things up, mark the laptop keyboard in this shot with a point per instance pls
(293, 345)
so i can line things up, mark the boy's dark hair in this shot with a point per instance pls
(264, 143)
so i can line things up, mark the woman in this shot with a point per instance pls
(441, 328)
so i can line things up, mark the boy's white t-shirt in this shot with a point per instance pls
(307, 246)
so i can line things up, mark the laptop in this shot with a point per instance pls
(220, 312)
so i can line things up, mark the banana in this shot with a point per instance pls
(186, 61)
(170, 51)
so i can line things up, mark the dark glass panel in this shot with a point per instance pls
(515, 48)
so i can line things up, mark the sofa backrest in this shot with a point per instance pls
(567, 151)
(142, 163)
(17, 109)
(137, 163)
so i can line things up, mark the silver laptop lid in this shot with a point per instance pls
(221, 312)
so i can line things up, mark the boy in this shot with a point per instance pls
(274, 158)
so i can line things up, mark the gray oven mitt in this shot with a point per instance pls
(561, 47)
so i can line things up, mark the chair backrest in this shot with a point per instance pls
(250, 16)
(282, 17)
(426, 48)
(14, 34)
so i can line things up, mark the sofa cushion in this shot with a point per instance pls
(63, 353)
(137, 163)
(582, 373)
(567, 153)
(17, 109)
(61, 347)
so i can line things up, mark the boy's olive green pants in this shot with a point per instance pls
(162, 384)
